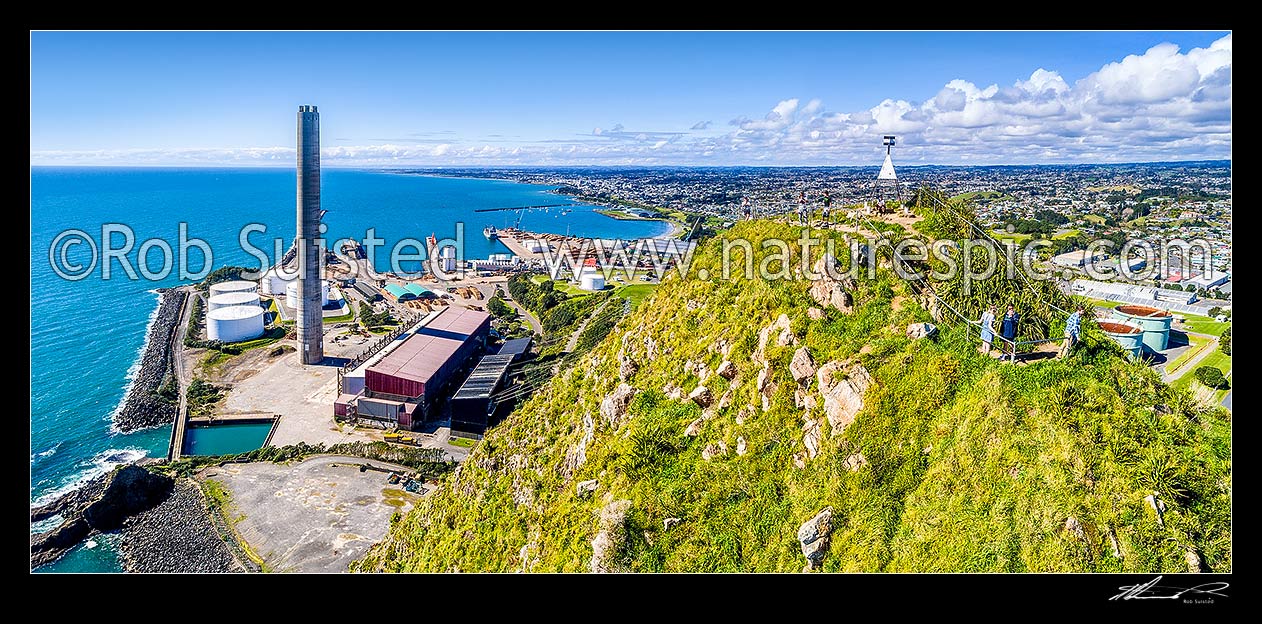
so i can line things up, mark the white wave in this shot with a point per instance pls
(134, 369)
(100, 464)
(47, 524)
(90, 544)
(46, 453)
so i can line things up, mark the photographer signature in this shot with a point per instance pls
(1151, 590)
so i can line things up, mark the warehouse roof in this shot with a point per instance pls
(418, 290)
(366, 290)
(399, 292)
(515, 347)
(422, 354)
(484, 377)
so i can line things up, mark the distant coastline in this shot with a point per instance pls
(599, 206)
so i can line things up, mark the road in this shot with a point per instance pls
(1190, 365)
(535, 325)
(181, 376)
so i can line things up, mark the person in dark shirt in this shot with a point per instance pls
(1008, 329)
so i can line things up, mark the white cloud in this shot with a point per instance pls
(1163, 104)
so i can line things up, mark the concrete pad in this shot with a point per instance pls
(318, 515)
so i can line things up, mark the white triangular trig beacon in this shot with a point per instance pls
(887, 170)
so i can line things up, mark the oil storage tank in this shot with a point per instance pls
(291, 293)
(233, 286)
(228, 299)
(1154, 322)
(591, 280)
(234, 323)
(274, 283)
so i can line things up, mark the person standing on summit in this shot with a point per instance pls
(988, 329)
(1008, 329)
(1073, 331)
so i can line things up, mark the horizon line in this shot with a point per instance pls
(626, 166)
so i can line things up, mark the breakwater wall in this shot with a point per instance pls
(142, 407)
(175, 536)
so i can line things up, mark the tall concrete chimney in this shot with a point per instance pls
(309, 308)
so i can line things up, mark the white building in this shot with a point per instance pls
(1209, 279)
(1077, 258)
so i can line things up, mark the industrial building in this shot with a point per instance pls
(1209, 279)
(369, 293)
(400, 385)
(473, 405)
(517, 347)
(407, 292)
(1168, 299)
(1077, 258)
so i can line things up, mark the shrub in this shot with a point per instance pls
(1210, 376)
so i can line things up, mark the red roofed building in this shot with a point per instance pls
(404, 384)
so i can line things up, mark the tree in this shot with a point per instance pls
(1215, 311)
(495, 305)
(1225, 341)
(1210, 376)
(368, 317)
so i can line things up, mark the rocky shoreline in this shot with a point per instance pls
(101, 506)
(142, 407)
(175, 536)
(165, 524)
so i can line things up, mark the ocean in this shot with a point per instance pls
(87, 334)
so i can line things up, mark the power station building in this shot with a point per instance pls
(400, 385)
(473, 406)
(309, 304)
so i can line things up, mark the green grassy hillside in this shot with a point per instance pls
(955, 462)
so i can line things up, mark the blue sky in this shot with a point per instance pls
(466, 99)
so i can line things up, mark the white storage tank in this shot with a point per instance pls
(232, 299)
(591, 280)
(233, 286)
(291, 293)
(273, 283)
(234, 323)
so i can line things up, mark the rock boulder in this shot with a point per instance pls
(802, 366)
(613, 409)
(814, 535)
(842, 386)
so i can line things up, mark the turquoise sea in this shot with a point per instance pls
(86, 335)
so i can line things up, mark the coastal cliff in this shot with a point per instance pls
(142, 406)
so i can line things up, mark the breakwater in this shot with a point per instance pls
(142, 407)
(175, 536)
